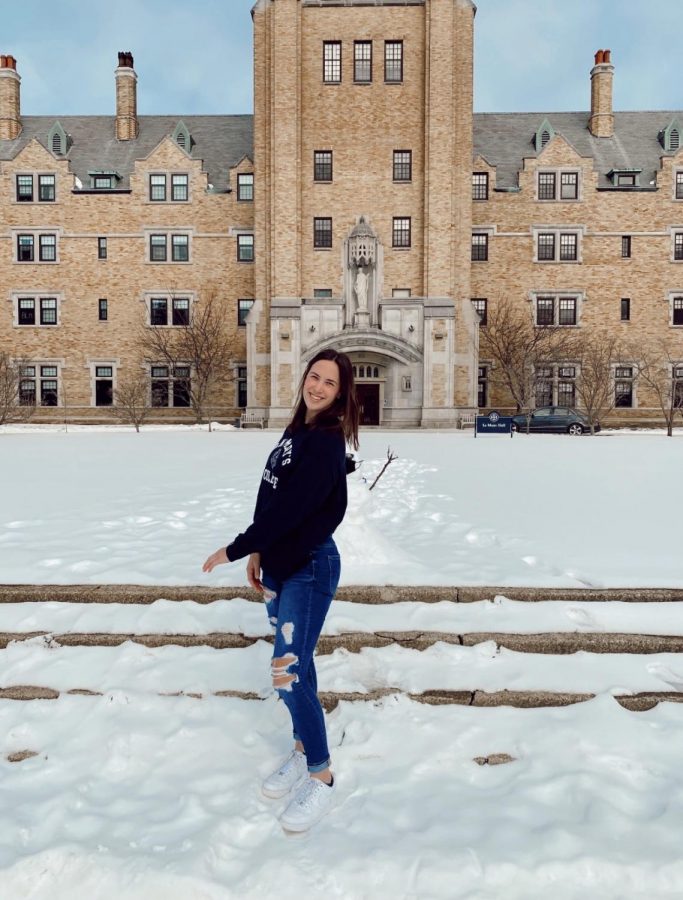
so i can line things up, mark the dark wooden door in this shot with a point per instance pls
(368, 400)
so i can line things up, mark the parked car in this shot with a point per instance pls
(557, 419)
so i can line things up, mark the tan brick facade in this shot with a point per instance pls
(401, 307)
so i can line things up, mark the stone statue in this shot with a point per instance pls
(361, 288)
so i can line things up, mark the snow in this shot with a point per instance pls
(139, 795)
(546, 510)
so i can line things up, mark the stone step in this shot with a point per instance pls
(640, 702)
(546, 643)
(373, 594)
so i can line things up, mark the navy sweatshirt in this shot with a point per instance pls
(301, 500)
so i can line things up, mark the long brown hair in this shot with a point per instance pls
(344, 410)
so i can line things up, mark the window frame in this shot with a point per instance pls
(677, 238)
(552, 304)
(99, 377)
(41, 184)
(322, 232)
(676, 306)
(245, 187)
(102, 310)
(332, 65)
(483, 312)
(180, 247)
(479, 246)
(399, 166)
(626, 246)
(361, 61)
(156, 248)
(245, 248)
(401, 232)
(43, 243)
(560, 242)
(176, 184)
(102, 248)
(320, 166)
(622, 378)
(678, 184)
(31, 258)
(476, 186)
(152, 186)
(556, 194)
(24, 197)
(625, 309)
(243, 311)
(390, 63)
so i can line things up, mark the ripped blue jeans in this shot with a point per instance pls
(297, 612)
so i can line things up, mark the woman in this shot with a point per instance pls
(301, 501)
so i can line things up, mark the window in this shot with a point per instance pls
(625, 309)
(245, 247)
(245, 186)
(24, 188)
(566, 386)
(103, 311)
(362, 62)
(553, 310)
(569, 186)
(243, 307)
(180, 248)
(158, 311)
(480, 306)
(677, 378)
(401, 232)
(322, 165)
(480, 247)
(181, 311)
(406, 383)
(157, 248)
(679, 185)
(568, 244)
(322, 293)
(393, 62)
(544, 386)
(401, 292)
(331, 62)
(626, 246)
(102, 182)
(678, 245)
(557, 246)
(170, 387)
(480, 185)
(241, 386)
(46, 188)
(47, 247)
(677, 317)
(25, 248)
(37, 311)
(157, 187)
(546, 246)
(34, 378)
(101, 248)
(322, 232)
(627, 180)
(567, 311)
(403, 165)
(545, 311)
(104, 385)
(623, 386)
(179, 188)
(482, 387)
(546, 185)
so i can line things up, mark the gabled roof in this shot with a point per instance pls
(505, 139)
(219, 141)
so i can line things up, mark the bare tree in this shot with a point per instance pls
(520, 350)
(596, 355)
(202, 342)
(130, 400)
(11, 407)
(662, 371)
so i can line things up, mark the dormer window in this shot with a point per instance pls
(182, 137)
(626, 178)
(57, 140)
(102, 182)
(671, 136)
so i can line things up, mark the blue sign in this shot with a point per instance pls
(494, 423)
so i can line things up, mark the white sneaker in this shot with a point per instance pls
(291, 773)
(312, 801)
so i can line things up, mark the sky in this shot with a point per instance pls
(530, 55)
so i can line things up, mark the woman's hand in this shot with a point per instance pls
(254, 571)
(216, 559)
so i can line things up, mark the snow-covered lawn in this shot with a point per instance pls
(136, 796)
(549, 510)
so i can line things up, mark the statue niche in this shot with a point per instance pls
(361, 281)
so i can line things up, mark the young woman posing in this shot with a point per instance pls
(301, 501)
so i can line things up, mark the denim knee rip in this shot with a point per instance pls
(280, 671)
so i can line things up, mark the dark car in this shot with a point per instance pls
(557, 419)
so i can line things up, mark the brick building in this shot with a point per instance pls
(364, 207)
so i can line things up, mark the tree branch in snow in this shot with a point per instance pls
(390, 458)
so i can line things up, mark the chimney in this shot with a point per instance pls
(126, 98)
(10, 116)
(601, 123)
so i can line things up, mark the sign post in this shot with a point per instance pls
(494, 423)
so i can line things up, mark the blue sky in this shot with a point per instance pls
(530, 55)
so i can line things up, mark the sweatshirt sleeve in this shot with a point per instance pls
(300, 496)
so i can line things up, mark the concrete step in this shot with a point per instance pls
(374, 594)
